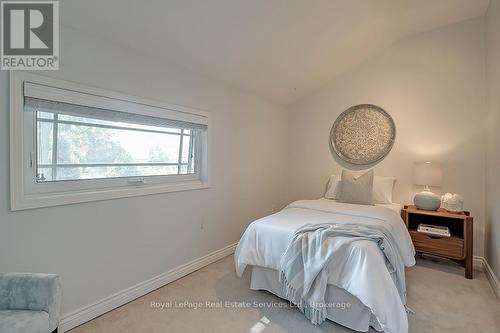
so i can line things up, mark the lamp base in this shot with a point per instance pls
(427, 200)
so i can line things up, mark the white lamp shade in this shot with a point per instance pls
(427, 173)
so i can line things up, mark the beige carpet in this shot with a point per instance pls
(443, 301)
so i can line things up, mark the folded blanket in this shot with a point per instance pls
(302, 266)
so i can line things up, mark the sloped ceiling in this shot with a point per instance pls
(278, 49)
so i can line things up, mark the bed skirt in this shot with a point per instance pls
(347, 310)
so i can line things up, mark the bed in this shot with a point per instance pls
(358, 279)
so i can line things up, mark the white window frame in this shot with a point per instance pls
(26, 193)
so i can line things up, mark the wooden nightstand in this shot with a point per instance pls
(458, 247)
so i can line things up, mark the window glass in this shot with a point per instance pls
(73, 147)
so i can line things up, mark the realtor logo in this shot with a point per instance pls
(30, 35)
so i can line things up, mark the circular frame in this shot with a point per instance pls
(359, 161)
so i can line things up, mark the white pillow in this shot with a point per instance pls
(333, 188)
(382, 189)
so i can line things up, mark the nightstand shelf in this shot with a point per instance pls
(457, 247)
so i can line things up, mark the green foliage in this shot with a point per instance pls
(85, 144)
(80, 144)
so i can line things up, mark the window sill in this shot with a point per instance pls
(24, 201)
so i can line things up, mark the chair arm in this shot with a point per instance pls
(30, 291)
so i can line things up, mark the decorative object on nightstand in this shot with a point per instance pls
(427, 174)
(456, 246)
(453, 203)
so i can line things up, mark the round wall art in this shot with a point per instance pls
(363, 134)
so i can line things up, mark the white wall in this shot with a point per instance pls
(433, 86)
(103, 247)
(493, 165)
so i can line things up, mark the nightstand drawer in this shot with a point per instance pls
(451, 247)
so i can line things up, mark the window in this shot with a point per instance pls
(82, 144)
(76, 143)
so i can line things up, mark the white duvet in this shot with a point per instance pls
(359, 268)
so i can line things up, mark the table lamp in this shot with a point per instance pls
(427, 174)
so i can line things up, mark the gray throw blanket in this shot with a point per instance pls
(302, 266)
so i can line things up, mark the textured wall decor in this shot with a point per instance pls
(363, 134)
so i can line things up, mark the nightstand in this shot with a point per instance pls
(457, 247)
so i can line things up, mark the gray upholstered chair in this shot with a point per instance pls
(29, 303)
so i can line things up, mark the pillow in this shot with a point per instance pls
(333, 188)
(382, 189)
(356, 190)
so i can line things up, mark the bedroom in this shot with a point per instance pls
(263, 84)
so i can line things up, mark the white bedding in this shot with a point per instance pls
(360, 270)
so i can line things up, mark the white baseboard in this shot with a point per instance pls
(490, 275)
(478, 263)
(120, 298)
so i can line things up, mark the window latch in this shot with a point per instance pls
(137, 181)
